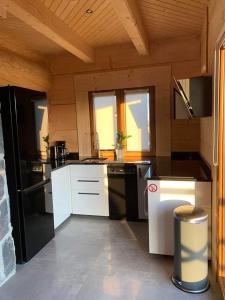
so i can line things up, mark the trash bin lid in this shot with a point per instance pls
(190, 214)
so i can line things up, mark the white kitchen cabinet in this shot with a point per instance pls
(163, 197)
(89, 189)
(88, 203)
(61, 194)
(90, 171)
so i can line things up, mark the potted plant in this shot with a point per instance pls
(120, 143)
(46, 140)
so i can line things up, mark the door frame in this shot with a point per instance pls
(221, 168)
(219, 149)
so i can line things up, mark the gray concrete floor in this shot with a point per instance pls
(95, 258)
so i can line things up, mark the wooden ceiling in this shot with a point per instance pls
(108, 22)
(166, 19)
(100, 28)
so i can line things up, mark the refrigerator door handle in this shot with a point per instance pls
(35, 187)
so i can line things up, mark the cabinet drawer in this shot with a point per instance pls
(88, 171)
(95, 204)
(89, 184)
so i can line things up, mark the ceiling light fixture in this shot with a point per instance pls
(88, 12)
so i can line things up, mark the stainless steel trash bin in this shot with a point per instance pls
(191, 249)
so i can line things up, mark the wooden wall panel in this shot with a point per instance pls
(70, 136)
(125, 57)
(62, 125)
(15, 70)
(62, 112)
(185, 135)
(62, 90)
(119, 67)
(63, 116)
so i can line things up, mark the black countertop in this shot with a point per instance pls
(165, 168)
(108, 161)
(160, 168)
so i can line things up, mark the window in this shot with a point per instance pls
(137, 116)
(130, 111)
(105, 119)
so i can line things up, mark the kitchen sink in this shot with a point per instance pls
(93, 159)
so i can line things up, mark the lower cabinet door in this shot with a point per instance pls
(88, 203)
(61, 192)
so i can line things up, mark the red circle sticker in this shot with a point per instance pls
(152, 188)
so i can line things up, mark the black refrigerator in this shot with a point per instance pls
(28, 181)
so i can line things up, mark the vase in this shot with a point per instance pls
(119, 154)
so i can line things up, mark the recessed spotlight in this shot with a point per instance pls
(89, 12)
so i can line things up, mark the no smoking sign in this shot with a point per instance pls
(152, 188)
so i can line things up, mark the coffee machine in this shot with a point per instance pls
(58, 152)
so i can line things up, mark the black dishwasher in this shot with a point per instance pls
(123, 194)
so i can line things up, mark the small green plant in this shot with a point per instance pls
(46, 140)
(120, 139)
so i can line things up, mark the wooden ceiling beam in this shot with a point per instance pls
(129, 14)
(16, 70)
(39, 17)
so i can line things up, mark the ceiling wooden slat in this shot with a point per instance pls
(79, 11)
(68, 9)
(172, 13)
(55, 5)
(96, 22)
(96, 28)
(74, 11)
(171, 6)
(48, 2)
(98, 8)
(61, 7)
(181, 17)
(160, 18)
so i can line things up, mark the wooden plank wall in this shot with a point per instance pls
(19, 71)
(121, 67)
(62, 112)
(185, 135)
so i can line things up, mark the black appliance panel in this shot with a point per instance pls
(37, 218)
(117, 196)
(24, 173)
(123, 194)
(23, 102)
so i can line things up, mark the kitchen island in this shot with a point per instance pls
(172, 183)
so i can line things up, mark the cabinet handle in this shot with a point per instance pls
(79, 180)
(88, 193)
